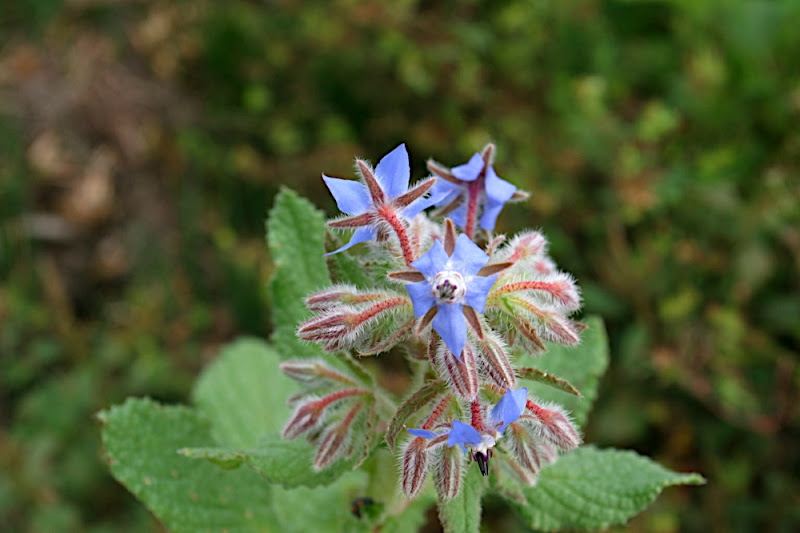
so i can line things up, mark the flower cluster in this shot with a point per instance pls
(462, 306)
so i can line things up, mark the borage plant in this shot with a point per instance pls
(499, 378)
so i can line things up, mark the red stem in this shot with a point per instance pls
(477, 419)
(390, 216)
(472, 206)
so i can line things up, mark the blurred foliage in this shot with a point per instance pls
(141, 143)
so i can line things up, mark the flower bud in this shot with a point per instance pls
(448, 471)
(554, 425)
(414, 467)
(335, 441)
(460, 375)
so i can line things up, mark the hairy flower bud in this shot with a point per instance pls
(461, 375)
(415, 466)
(554, 425)
(448, 470)
(335, 441)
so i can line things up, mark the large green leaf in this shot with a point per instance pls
(594, 489)
(243, 393)
(295, 231)
(285, 462)
(321, 509)
(141, 438)
(581, 365)
(462, 514)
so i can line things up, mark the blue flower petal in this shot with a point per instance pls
(498, 189)
(421, 297)
(459, 215)
(443, 192)
(432, 262)
(478, 290)
(416, 207)
(360, 235)
(424, 433)
(352, 197)
(490, 214)
(463, 434)
(469, 171)
(451, 326)
(393, 172)
(509, 408)
(467, 257)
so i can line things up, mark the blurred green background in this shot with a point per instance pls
(142, 142)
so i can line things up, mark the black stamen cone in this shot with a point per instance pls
(483, 463)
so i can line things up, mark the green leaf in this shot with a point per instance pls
(304, 510)
(462, 514)
(140, 439)
(295, 231)
(243, 393)
(413, 516)
(594, 489)
(581, 365)
(284, 462)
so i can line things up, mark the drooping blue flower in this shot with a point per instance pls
(505, 412)
(454, 189)
(451, 281)
(385, 186)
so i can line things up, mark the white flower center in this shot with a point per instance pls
(487, 441)
(449, 287)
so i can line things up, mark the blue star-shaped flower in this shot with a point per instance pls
(385, 187)
(451, 282)
(454, 190)
(505, 412)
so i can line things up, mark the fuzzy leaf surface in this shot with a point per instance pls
(140, 439)
(284, 462)
(462, 514)
(243, 393)
(295, 232)
(582, 366)
(593, 489)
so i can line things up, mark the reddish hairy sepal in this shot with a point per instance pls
(311, 411)
(527, 245)
(555, 426)
(414, 468)
(495, 363)
(347, 326)
(520, 441)
(558, 289)
(375, 191)
(377, 344)
(342, 294)
(334, 443)
(461, 376)
(448, 470)
(411, 405)
(310, 370)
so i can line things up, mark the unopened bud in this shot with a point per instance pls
(335, 441)
(554, 425)
(460, 375)
(415, 466)
(496, 364)
(448, 470)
